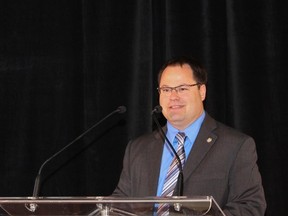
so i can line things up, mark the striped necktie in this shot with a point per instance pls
(172, 174)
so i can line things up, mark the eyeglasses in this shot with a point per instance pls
(181, 89)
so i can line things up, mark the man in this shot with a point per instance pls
(217, 161)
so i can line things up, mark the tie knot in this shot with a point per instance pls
(181, 137)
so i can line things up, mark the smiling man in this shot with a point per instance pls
(183, 103)
(217, 160)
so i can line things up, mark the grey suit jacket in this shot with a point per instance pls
(222, 164)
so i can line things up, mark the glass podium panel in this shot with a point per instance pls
(106, 206)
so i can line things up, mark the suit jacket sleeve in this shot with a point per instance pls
(246, 195)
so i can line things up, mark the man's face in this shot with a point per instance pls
(181, 108)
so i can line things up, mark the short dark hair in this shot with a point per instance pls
(199, 71)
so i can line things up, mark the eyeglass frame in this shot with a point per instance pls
(176, 88)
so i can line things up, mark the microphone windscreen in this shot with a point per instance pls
(121, 109)
(157, 109)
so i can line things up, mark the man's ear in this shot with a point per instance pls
(203, 92)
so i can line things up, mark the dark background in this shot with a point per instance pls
(64, 65)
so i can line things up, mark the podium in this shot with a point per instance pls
(106, 206)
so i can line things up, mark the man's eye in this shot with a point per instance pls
(166, 90)
(182, 89)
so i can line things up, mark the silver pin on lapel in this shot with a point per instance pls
(209, 140)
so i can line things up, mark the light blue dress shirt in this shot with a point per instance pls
(191, 132)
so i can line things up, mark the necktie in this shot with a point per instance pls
(172, 174)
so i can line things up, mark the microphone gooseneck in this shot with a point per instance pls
(179, 185)
(120, 109)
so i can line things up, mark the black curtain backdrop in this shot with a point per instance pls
(64, 65)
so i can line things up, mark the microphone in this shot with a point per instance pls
(179, 185)
(120, 110)
(157, 109)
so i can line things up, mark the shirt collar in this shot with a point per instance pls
(189, 131)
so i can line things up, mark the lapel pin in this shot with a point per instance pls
(209, 139)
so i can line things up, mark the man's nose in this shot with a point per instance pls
(174, 93)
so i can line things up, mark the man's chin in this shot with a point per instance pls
(175, 120)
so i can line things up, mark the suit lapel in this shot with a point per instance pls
(154, 160)
(203, 143)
